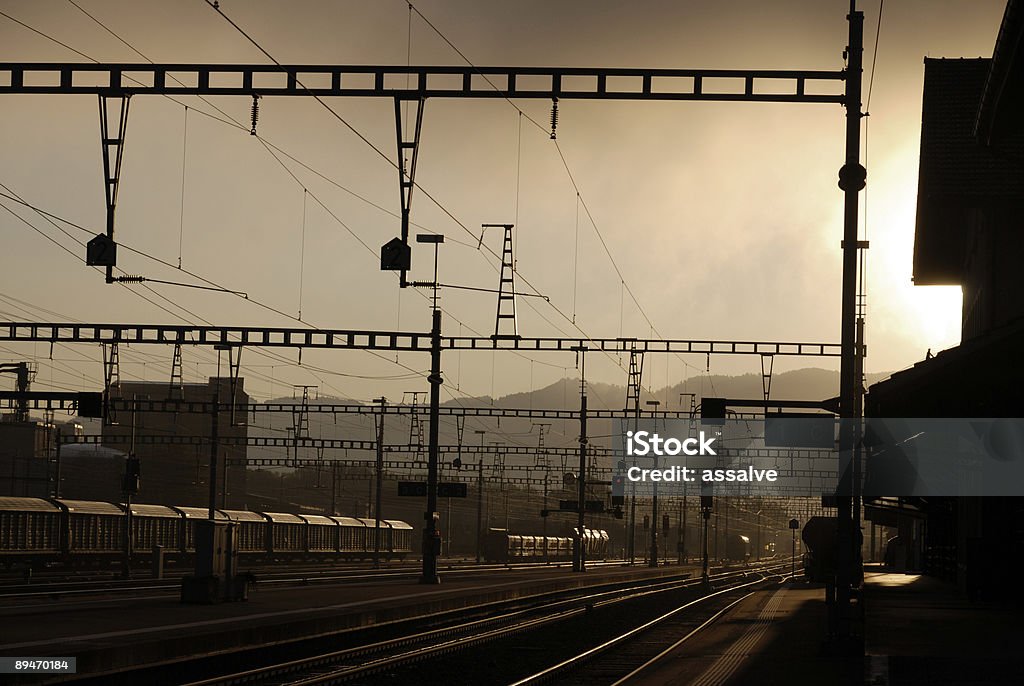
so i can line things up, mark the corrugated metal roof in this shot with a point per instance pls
(319, 520)
(283, 518)
(243, 516)
(27, 505)
(155, 511)
(372, 523)
(349, 521)
(91, 507)
(397, 524)
(200, 513)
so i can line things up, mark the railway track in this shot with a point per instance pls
(390, 660)
(626, 656)
(265, 579)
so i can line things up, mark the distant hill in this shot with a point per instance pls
(799, 384)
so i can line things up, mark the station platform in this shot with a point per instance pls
(922, 631)
(112, 633)
(917, 631)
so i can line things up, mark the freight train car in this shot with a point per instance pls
(819, 537)
(737, 548)
(501, 546)
(75, 533)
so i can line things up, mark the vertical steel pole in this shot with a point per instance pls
(380, 484)
(653, 561)
(851, 180)
(430, 532)
(706, 515)
(682, 530)
(792, 559)
(56, 476)
(480, 498)
(582, 496)
(214, 438)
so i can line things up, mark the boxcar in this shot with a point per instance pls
(29, 528)
(399, 538)
(351, 536)
(819, 536)
(154, 525)
(286, 533)
(93, 528)
(189, 517)
(321, 534)
(251, 530)
(495, 545)
(369, 524)
(737, 548)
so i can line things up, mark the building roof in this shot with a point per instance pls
(1002, 101)
(957, 172)
(978, 378)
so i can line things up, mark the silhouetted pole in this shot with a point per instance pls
(792, 566)
(681, 556)
(479, 496)
(56, 477)
(705, 512)
(334, 488)
(852, 178)
(758, 535)
(580, 561)
(380, 483)
(431, 533)
(653, 561)
(214, 438)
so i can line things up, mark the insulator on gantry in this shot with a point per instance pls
(554, 117)
(255, 113)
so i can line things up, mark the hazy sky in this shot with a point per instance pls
(724, 219)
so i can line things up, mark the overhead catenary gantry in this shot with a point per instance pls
(69, 401)
(341, 339)
(115, 84)
(412, 448)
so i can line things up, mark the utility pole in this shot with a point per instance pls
(542, 460)
(431, 535)
(380, 481)
(682, 531)
(852, 177)
(580, 556)
(758, 535)
(214, 438)
(653, 562)
(56, 476)
(706, 504)
(130, 487)
(479, 496)
(334, 488)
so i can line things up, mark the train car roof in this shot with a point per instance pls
(243, 516)
(90, 507)
(349, 521)
(319, 520)
(398, 524)
(154, 511)
(27, 505)
(372, 523)
(200, 513)
(283, 518)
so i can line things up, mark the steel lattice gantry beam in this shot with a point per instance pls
(345, 444)
(68, 401)
(271, 337)
(416, 82)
